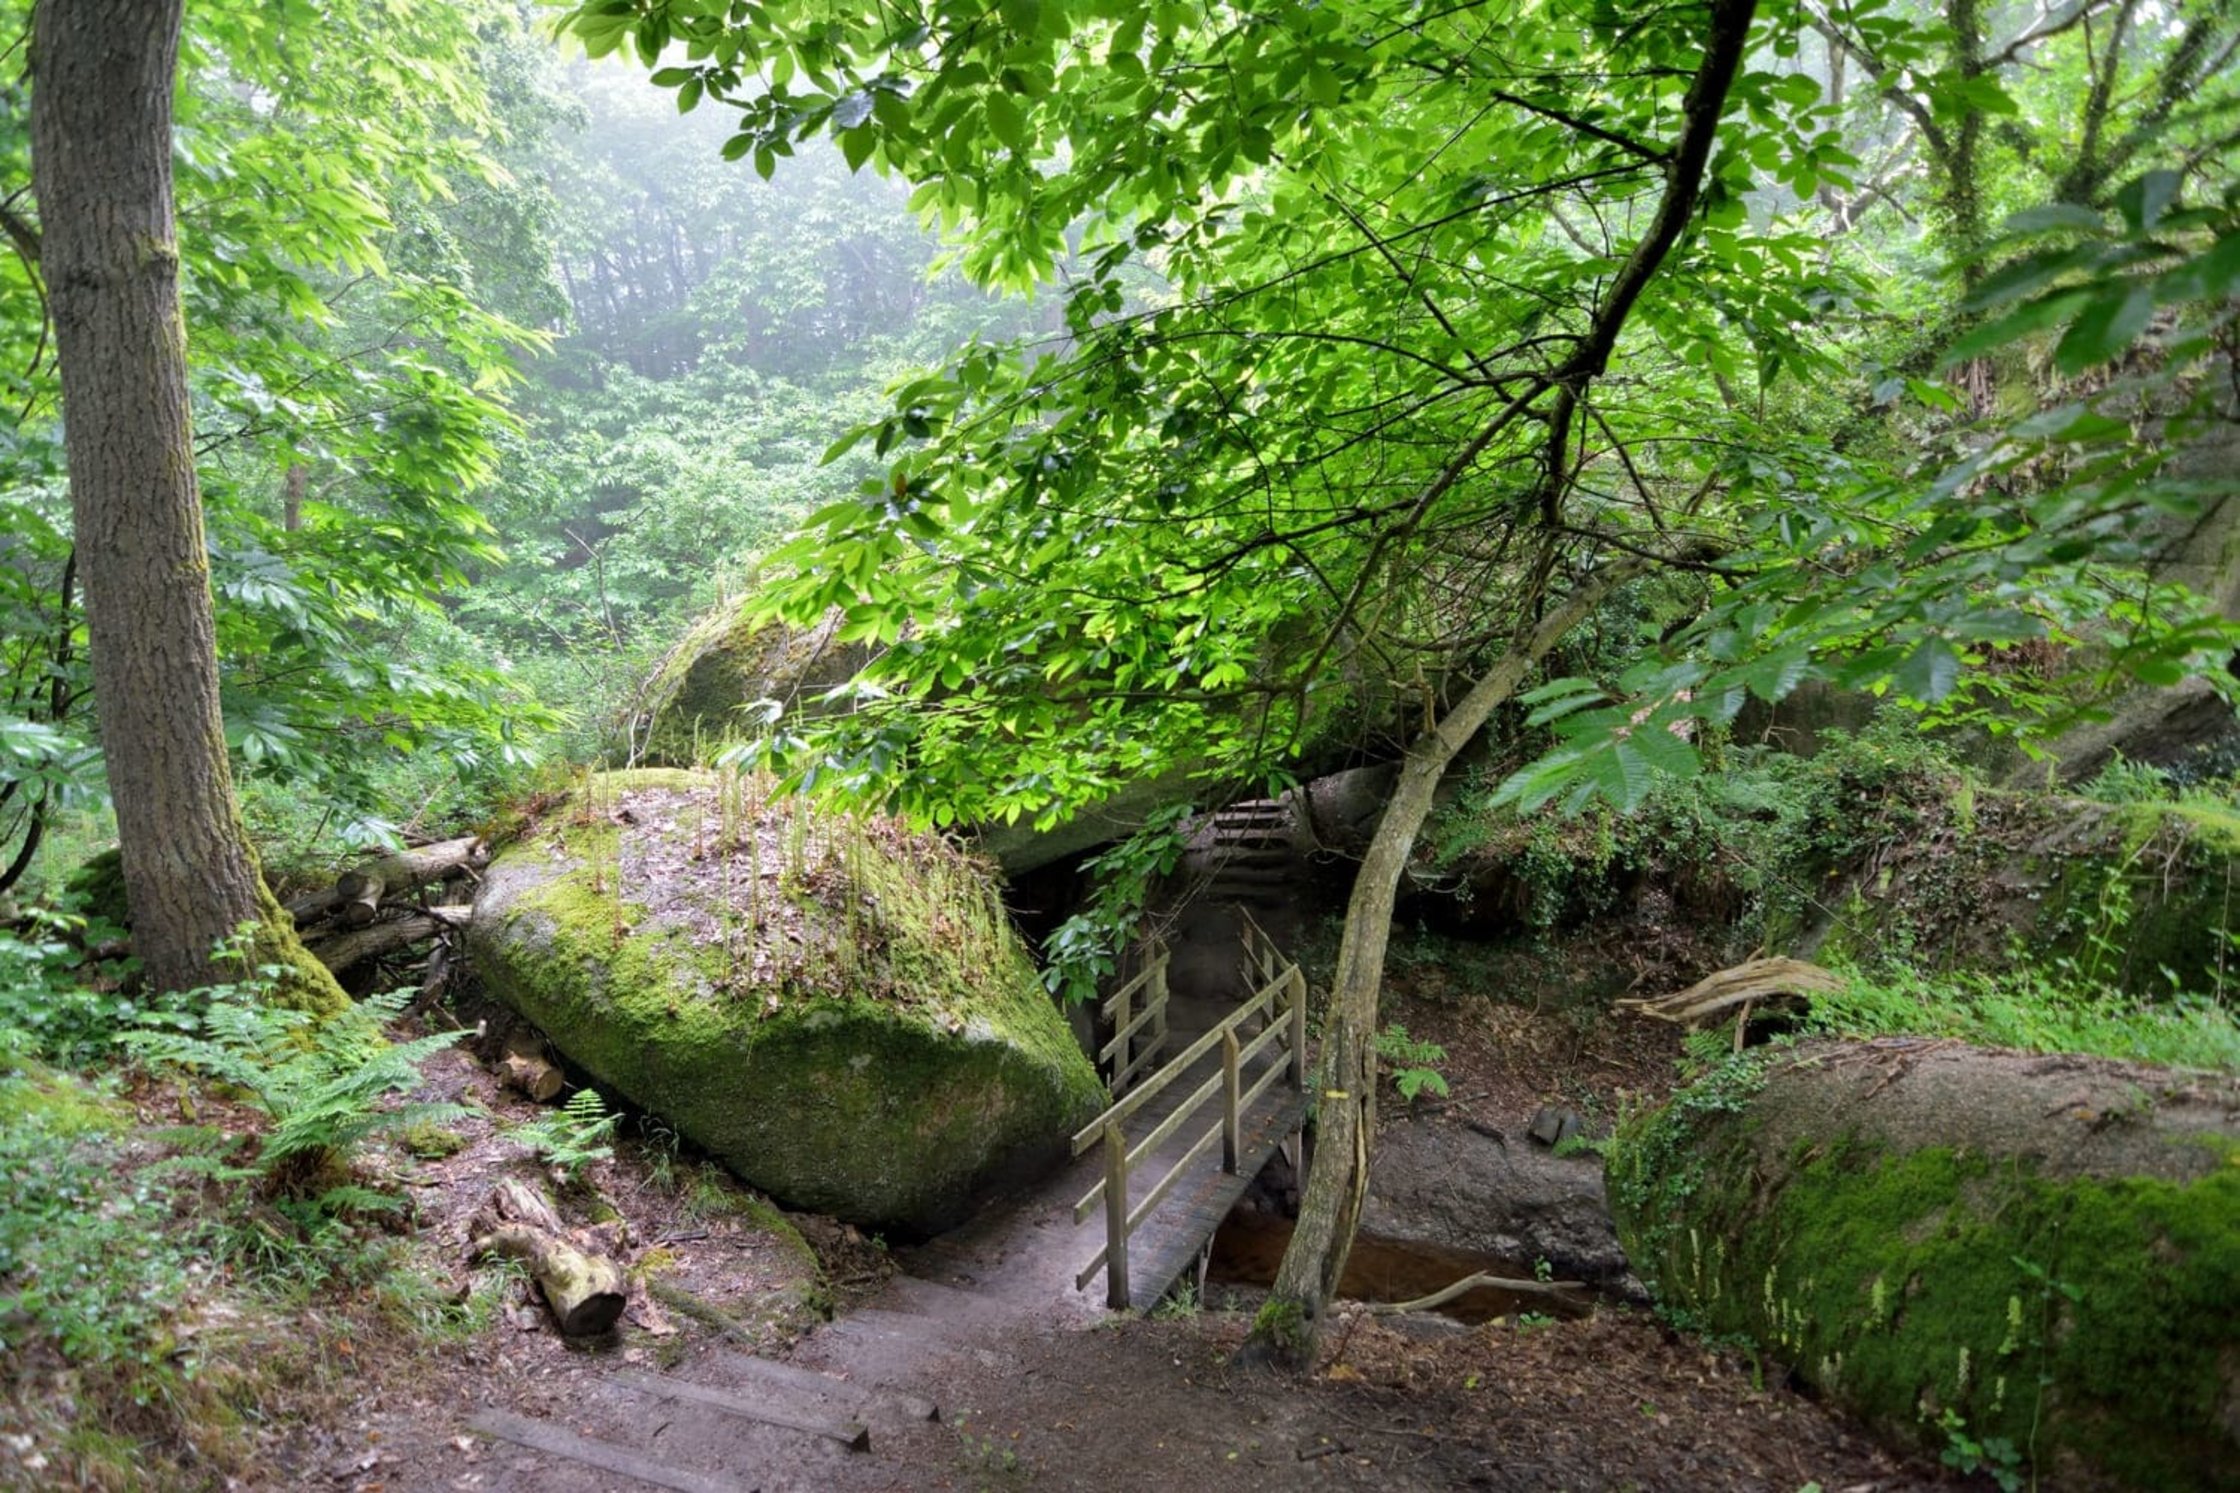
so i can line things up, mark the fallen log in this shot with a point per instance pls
(345, 949)
(360, 891)
(314, 907)
(585, 1291)
(1744, 984)
(526, 1068)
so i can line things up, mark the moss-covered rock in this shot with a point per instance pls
(2035, 1253)
(2135, 895)
(835, 1008)
(727, 662)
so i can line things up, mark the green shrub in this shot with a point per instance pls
(86, 1260)
(569, 1139)
(2034, 1009)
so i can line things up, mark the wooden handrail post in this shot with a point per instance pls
(1158, 995)
(1232, 1134)
(1120, 1025)
(1115, 1218)
(1298, 993)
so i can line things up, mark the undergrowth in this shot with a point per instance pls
(2032, 1009)
(164, 1293)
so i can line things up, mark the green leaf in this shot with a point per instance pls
(1928, 673)
(2144, 199)
(2105, 328)
(1005, 121)
(2055, 217)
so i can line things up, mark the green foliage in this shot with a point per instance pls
(347, 388)
(572, 1138)
(1075, 550)
(2035, 1009)
(322, 1083)
(1412, 1062)
(87, 1261)
(2125, 782)
(1086, 947)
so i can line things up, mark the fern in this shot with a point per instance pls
(572, 1137)
(322, 1083)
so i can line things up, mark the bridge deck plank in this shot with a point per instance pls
(1168, 1243)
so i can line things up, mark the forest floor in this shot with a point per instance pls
(1616, 1400)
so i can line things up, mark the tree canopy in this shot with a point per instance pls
(1399, 344)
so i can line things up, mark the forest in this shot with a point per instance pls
(1582, 655)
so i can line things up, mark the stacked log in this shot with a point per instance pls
(371, 910)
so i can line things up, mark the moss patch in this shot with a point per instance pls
(2086, 1319)
(727, 661)
(834, 1007)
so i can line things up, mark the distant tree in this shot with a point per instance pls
(101, 159)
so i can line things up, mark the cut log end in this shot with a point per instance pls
(533, 1076)
(586, 1292)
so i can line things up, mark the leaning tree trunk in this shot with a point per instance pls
(101, 163)
(1346, 1117)
(1346, 1113)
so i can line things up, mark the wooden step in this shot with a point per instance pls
(864, 1400)
(771, 1404)
(558, 1441)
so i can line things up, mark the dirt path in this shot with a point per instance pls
(1612, 1403)
(1035, 1386)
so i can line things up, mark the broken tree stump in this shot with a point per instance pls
(1755, 981)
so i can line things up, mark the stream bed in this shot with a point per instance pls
(1248, 1246)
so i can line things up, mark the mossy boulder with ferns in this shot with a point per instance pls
(2010, 1257)
(834, 1007)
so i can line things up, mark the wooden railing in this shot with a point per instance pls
(1283, 996)
(1130, 1020)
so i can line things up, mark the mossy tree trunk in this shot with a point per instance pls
(101, 135)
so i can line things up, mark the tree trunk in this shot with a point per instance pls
(101, 137)
(1346, 1112)
(1346, 1109)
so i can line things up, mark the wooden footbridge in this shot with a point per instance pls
(1180, 1144)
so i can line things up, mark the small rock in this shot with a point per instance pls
(1552, 1124)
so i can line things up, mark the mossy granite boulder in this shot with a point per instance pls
(696, 698)
(835, 1008)
(2034, 1257)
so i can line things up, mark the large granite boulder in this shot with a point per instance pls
(700, 696)
(1472, 1189)
(835, 1008)
(2040, 1254)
